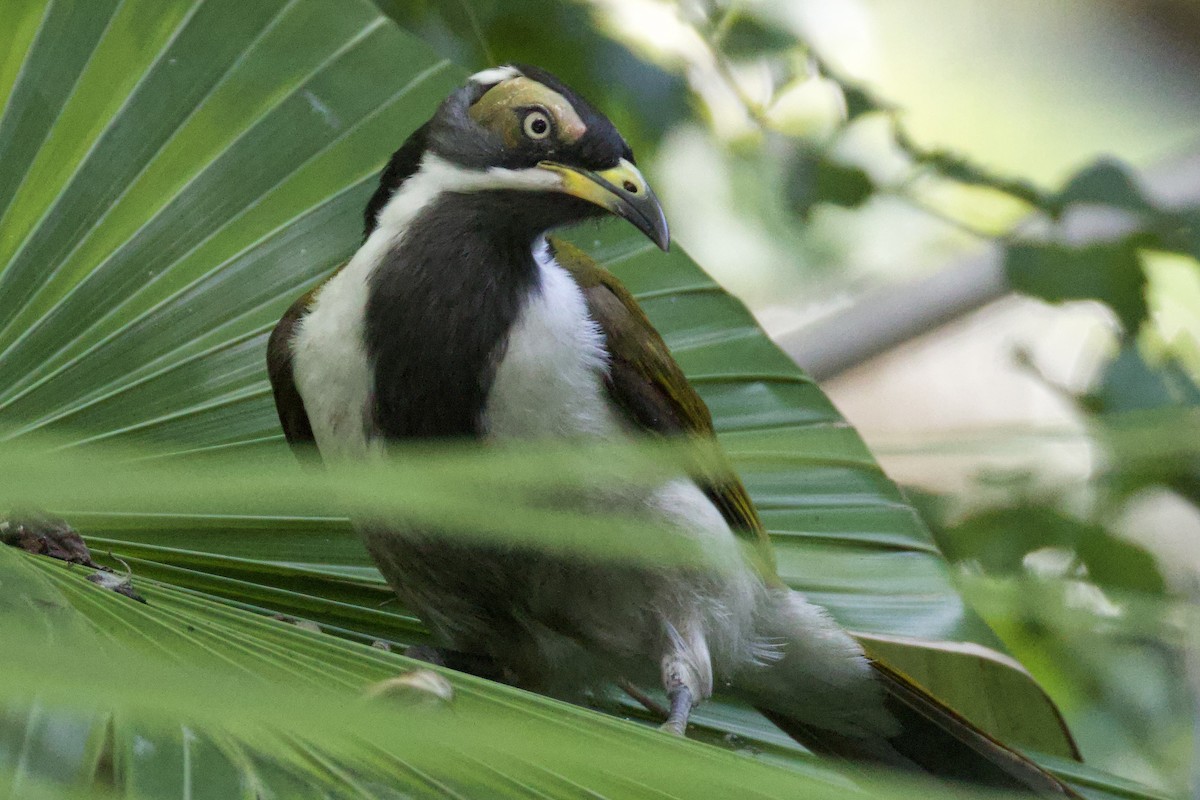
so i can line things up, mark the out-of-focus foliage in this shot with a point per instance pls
(197, 691)
(189, 696)
(1116, 660)
(1000, 539)
(1162, 397)
(816, 179)
(1088, 606)
(1077, 595)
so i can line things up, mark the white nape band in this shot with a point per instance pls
(437, 176)
(495, 75)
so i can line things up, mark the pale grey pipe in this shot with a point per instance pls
(885, 318)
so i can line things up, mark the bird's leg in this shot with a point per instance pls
(681, 708)
(686, 673)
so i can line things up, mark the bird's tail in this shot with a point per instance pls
(930, 737)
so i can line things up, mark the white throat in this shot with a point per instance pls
(331, 367)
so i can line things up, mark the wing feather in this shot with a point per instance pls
(288, 403)
(647, 384)
(932, 738)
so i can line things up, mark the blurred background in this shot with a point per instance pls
(976, 224)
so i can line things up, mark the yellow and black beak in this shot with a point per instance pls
(621, 190)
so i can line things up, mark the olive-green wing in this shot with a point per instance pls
(650, 388)
(288, 403)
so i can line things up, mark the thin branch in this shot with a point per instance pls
(646, 701)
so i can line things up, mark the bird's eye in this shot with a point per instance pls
(536, 125)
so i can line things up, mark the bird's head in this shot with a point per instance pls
(518, 128)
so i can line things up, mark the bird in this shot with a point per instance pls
(463, 317)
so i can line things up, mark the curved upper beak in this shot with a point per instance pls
(622, 190)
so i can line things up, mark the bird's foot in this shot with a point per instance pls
(681, 709)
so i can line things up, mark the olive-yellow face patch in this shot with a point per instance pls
(520, 108)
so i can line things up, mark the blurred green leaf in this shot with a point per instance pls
(1163, 396)
(859, 101)
(273, 709)
(197, 699)
(748, 35)
(1118, 563)
(999, 539)
(817, 178)
(1117, 660)
(1106, 182)
(1110, 272)
(1111, 183)
(1130, 383)
(1191, 233)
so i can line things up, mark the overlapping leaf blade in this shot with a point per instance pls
(237, 667)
